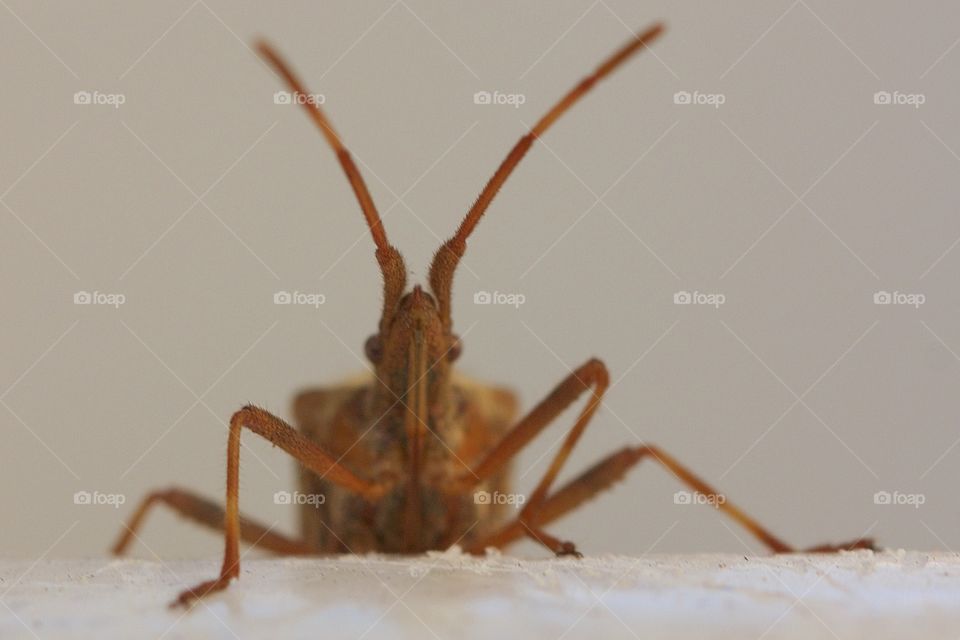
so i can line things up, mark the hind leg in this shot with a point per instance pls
(204, 511)
(611, 469)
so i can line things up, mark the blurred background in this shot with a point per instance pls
(788, 169)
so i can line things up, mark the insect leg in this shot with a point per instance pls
(591, 376)
(300, 447)
(605, 473)
(212, 515)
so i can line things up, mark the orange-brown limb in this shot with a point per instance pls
(448, 255)
(592, 375)
(558, 546)
(206, 512)
(391, 263)
(611, 469)
(309, 454)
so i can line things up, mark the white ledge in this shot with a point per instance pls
(850, 595)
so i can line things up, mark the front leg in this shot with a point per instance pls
(592, 377)
(304, 450)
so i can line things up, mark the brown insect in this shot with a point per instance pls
(401, 457)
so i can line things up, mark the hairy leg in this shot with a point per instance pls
(204, 511)
(307, 452)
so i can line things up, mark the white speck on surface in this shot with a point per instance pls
(894, 594)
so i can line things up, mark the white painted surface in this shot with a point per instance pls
(852, 595)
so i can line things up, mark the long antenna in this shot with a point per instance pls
(391, 263)
(448, 256)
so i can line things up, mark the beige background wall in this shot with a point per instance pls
(198, 198)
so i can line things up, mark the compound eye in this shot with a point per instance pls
(373, 348)
(455, 349)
